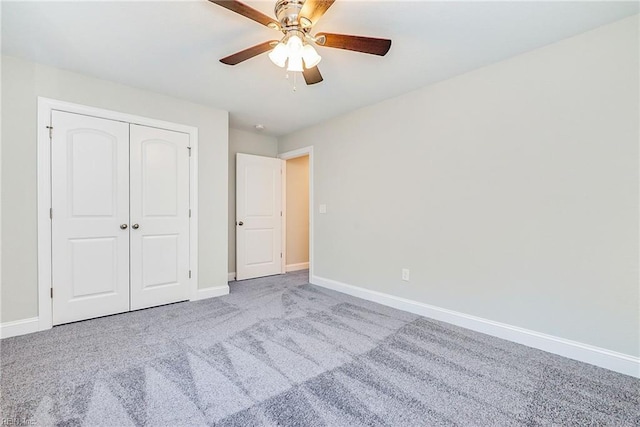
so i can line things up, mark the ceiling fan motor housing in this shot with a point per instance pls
(287, 12)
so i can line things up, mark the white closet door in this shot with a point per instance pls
(159, 216)
(90, 206)
(258, 216)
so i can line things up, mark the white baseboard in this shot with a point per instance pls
(232, 276)
(215, 291)
(19, 327)
(619, 362)
(297, 267)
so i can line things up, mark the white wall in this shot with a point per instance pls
(22, 83)
(297, 187)
(247, 143)
(511, 192)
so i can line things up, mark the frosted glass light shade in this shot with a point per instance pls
(294, 44)
(296, 52)
(310, 56)
(279, 55)
(295, 63)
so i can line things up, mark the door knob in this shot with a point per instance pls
(241, 223)
(135, 226)
(123, 226)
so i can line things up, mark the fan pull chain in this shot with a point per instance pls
(286, 76)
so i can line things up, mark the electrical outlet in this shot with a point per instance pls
(405, 274)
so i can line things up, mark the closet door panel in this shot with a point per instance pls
(159, 216)
(90, 203)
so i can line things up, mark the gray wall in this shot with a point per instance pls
(247, 143)
(511, 192)
(22, 82)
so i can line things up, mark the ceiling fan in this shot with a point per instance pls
(295, 19)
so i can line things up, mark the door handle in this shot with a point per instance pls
(135, 226)
(123, 226)
(241, 223)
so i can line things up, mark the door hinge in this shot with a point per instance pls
(189, 151)
(189, 274)
(280, 254)
(51, 292)
(50, 213)
(189, 213)
(280, 213)
(50, 131)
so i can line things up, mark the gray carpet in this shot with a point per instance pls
(278, 351)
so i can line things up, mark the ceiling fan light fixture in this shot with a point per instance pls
(279, 55)
(295, 63)
(310, 56)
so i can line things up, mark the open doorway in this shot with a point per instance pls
(274, 214)
(297, 221)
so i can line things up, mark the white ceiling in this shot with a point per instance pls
(174, 47)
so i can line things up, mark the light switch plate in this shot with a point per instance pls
(323, 209)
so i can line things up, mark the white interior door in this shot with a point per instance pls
(258, 216)
(159, 216)
(90, 217)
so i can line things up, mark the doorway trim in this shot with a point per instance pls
(45, 107)
(301, 152)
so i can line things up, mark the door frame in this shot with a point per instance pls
(301, 152)
(45, 107)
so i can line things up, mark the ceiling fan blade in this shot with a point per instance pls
(370, 45)
(248, 12)
(312, 75)
(314, 9)
(243, 55)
